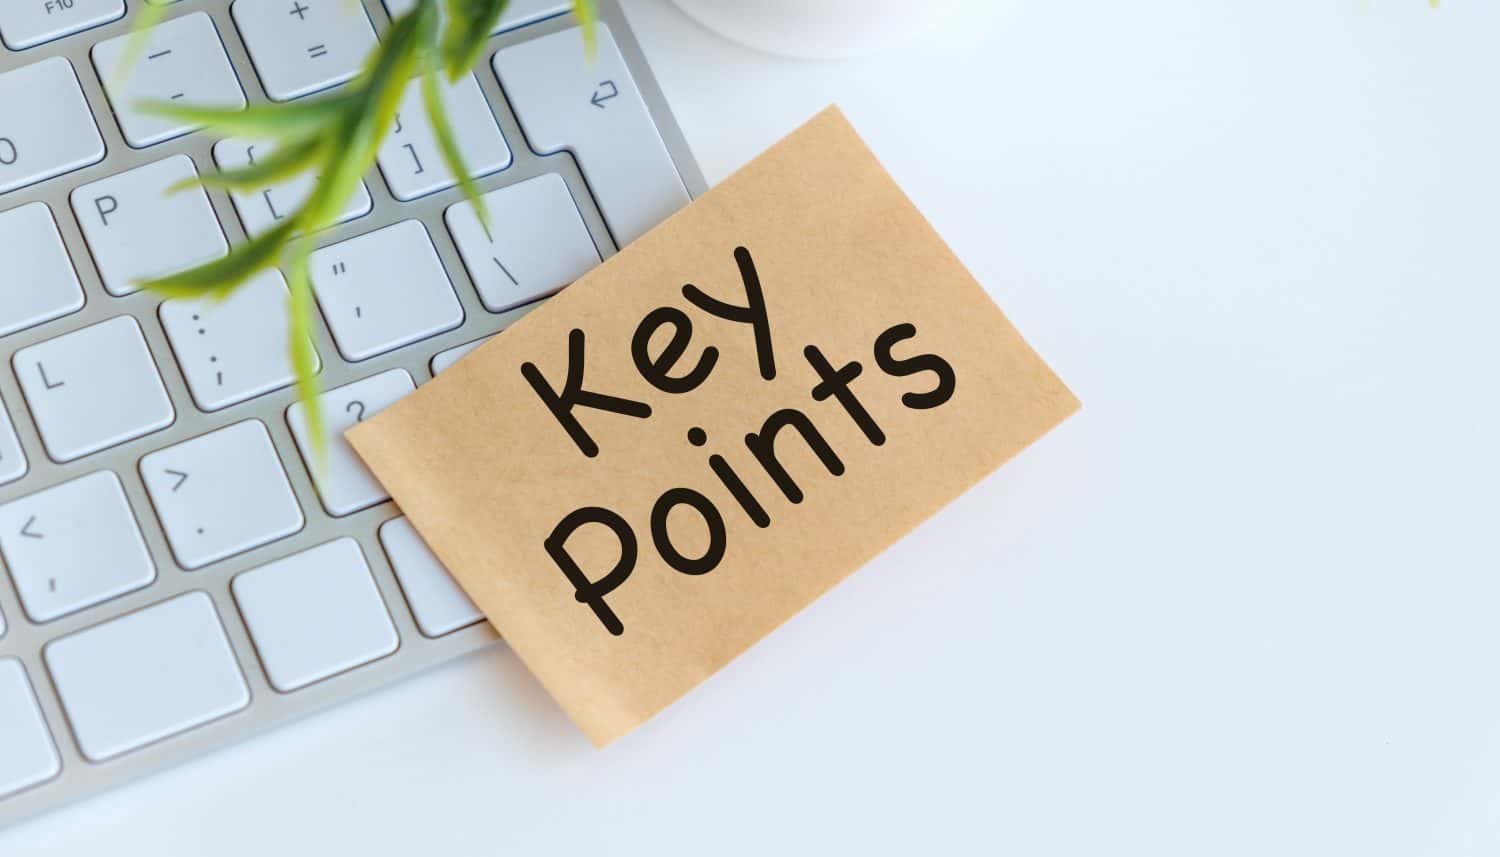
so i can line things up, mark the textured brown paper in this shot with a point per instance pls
(487, 472)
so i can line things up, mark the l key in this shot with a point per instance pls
(93, 388)
(567, 100)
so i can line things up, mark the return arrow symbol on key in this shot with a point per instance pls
(600, 97)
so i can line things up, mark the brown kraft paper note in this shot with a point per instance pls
(654, 470)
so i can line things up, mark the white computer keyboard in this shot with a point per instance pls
(176, 576)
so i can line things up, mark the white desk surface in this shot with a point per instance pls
(1245, 603)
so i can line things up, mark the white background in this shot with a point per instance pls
(1244, 603)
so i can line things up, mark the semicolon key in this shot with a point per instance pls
(233, 349)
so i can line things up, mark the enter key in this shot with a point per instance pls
(565, 100)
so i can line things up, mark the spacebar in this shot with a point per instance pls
(566, 101)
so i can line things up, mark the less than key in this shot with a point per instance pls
(73, 546)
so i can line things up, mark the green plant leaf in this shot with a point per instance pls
(148, 17)
(285, 161)
(303, 356)
(260, 121)
(218, 278)
(380, 87)
(587, 14)
(442, 131)
(467, 31)
(337, 138)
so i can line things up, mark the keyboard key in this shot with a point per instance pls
(314, 614)
(517, 13)
(383, 290)
(73, 546)
(182, 60)
(146, 676)
(302, 47)
(49, 129)
(40, 281)
(537, 245)
(233, 349)
(221, 494)
(33, 22)
(260, 210)
(437, 602)
(137, 230)
(410, 159)
(93, 388)
(12, 459)
(445, 359)
(344, 483)
(27, 754)
(565, 99)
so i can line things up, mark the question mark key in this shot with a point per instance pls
(344, 484)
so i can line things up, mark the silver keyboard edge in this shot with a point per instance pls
(268, 708)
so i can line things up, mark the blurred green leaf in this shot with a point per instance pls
(467, 31)
(588, 19)
(261, 121)
(148, 17)
(285, 162)
(218, 278)
(442, 131)
(303, 356)
(335, 137)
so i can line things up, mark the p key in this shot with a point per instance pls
(137, 228)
